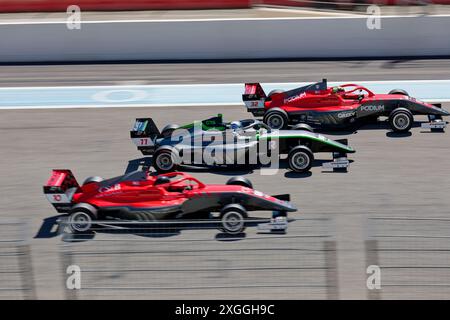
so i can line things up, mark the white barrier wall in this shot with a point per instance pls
(225, 39)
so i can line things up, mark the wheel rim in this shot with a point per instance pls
(401, 121)
(300, 161)
(164, 161)
(80, 221)
(275, 121)
(232, 222)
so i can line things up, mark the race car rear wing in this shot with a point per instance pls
(254, 97)
(143, 134)
(60, 189)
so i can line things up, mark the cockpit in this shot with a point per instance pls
(248, 126)
(351, 91)
(177, 182)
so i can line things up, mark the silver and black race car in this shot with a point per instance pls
(212, 142)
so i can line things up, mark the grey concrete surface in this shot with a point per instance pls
(256, 12)
(259, 12)
(391, 176)
(225, 72)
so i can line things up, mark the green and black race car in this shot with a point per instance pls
(213, 142)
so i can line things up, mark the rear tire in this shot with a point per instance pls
(81, 218)
(232, 218)
(399, 91)
(271, 93)
(240, 181)
(300, 159)
(164, 160)
(167, 131)
(401, 120)
(92, 179)
(276, 119)
(303, 126)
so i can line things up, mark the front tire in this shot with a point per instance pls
(232, 218)
(300, 159)
(276, 119)
(401, 120)
(164, 160)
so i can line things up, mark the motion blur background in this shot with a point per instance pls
(390, 209)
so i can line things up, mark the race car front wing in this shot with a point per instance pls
(436, 123)
(340, 162)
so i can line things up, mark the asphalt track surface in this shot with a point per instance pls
(396, 192)
(222, 72)
(390, 177)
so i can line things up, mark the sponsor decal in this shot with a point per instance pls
(346, 114)
(115, 187)
(295, 97)
(372, 108)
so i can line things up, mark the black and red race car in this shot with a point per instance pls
(343, 106)
(139, 196)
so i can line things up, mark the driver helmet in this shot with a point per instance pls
(337, 89)
(235, 125)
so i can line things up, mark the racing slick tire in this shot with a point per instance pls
(165, 160)
(232, 218)
(168, 130)
(401, 120)
(399, 91)
(276, 118)
(303, 126)
(271, 93)
(81, 218)
(240, 181)
(300, 159)
(92, 179)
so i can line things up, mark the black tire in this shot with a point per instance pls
(92, 179)
(300, 159)
(399, 91)
(165, 160)
(303, 126)
(276, 119)
(232, 218)
(240, 181)
(271, 93)
(81, 218)
(168, 130)
(401, 120)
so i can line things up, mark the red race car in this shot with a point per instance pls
(143, 197)
(344, 106)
